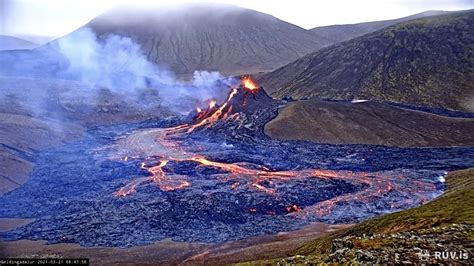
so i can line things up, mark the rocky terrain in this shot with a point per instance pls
(339, 122)
(207, 179)
(57, 169)
(428, 61)
(438, 232)
(438, 245)
(20, 137)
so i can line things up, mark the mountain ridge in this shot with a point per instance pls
(343, 32)
(229, 39)
(428, 61)
(8, 42)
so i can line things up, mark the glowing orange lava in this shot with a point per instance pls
(249, 84)
(214, 117)
(161, 143)
(293, 208)
(157, 176)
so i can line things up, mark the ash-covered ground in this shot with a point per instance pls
(213, 178)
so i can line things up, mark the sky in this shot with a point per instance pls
(56, 18)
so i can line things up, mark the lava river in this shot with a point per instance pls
(163, 145)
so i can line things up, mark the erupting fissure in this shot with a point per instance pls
(249, 84)
(162, 144)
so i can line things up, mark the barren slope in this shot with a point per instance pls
(230, 39)
(368, 123)
(340, 33)
(427, 61)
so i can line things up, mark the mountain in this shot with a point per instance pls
(13, 43)
(428, 61)
(226, 38)
(368, 123)
(340, 33)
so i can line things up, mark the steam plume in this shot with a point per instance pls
(118, 64)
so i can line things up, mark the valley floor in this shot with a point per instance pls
(423, 234)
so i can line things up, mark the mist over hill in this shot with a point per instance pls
(14, 43)
(190, 37)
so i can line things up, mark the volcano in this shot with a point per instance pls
(246, 100)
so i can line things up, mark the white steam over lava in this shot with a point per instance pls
(113, 63)
(119, 64)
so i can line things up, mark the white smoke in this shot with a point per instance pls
(115, 63)
(118, 63)
(109, 67)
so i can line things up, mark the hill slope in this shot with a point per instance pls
(340, 33)
(368, 123)
(190, 37)
(13, 43)
(428, 61)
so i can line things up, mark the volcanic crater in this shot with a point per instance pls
(214, 177)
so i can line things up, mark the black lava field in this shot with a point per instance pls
(215, 177)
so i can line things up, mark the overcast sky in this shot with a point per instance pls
(59, 17)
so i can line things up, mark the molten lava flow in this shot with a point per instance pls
(214, 117)
(130, 187)
(157, 176)
(249, 84)
(164, 144)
